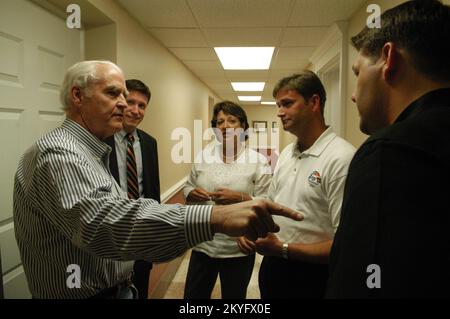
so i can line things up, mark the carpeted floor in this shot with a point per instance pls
(176, 288)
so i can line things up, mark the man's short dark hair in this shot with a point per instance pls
(306, 83)
(137, 85)
(422, 28)
(230, 108)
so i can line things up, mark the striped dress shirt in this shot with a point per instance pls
(68, 210)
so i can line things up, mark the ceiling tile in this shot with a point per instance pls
(247, 76)
(294, 53)
(179, 37)
(292, 58)
(195, 54)
(270, 85)
(303, 37)
(224, 91)
(205, 68)
(289, 64)
(227, 96)
(241, 13)
(218, 79)
(224, 86)
(243, 36)
(276, 75)
(160, 13)
(322, 12)
(204, 65)
(267, 96)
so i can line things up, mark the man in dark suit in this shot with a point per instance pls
(392, 241)
(145, 152)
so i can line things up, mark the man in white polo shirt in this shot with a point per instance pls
(309, 177)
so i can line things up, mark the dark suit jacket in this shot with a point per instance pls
(395, 211)
(149, 164)
(150, 176)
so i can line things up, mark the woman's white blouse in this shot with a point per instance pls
(250, 173)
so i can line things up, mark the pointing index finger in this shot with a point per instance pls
(277, 209)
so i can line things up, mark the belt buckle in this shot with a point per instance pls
(126, 290)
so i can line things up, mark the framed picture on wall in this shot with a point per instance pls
(259, 126)
(274, 126)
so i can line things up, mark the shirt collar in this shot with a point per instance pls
(435, 98)
(96, 146)
(431, 99)
(319, 145)
(122, 135)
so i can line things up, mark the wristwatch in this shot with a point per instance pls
(284, 250)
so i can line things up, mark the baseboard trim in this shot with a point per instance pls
(173, 190)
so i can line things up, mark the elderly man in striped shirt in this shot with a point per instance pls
(71, 216)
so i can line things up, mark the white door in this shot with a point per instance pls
(332, 113)
(36, 48)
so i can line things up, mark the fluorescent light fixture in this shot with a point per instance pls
(269, 103)
(249, 98)
(245, 58)
(248, 86)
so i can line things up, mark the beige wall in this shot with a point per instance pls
(178, 97)
(101, 43)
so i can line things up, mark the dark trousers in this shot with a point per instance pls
(141, 277)
(235, 274)
(287, 279)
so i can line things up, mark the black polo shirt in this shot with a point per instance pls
(396, 210)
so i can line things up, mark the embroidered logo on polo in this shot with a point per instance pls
(314, 179)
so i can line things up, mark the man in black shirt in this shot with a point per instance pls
(393, 240)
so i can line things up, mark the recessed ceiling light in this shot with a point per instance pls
(269, 103)
(245, 58)
(249, 98)
(248, 86)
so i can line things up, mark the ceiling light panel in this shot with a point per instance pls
(249, 98)
(248, 86)
(245, 58)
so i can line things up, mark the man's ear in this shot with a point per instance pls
(314, 100)
(76, 95)
(390, 58)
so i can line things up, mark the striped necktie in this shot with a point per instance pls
(132, 179)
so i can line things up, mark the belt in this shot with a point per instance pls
(116, 291)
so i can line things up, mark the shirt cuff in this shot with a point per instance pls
(186, 191)
(198, 224)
